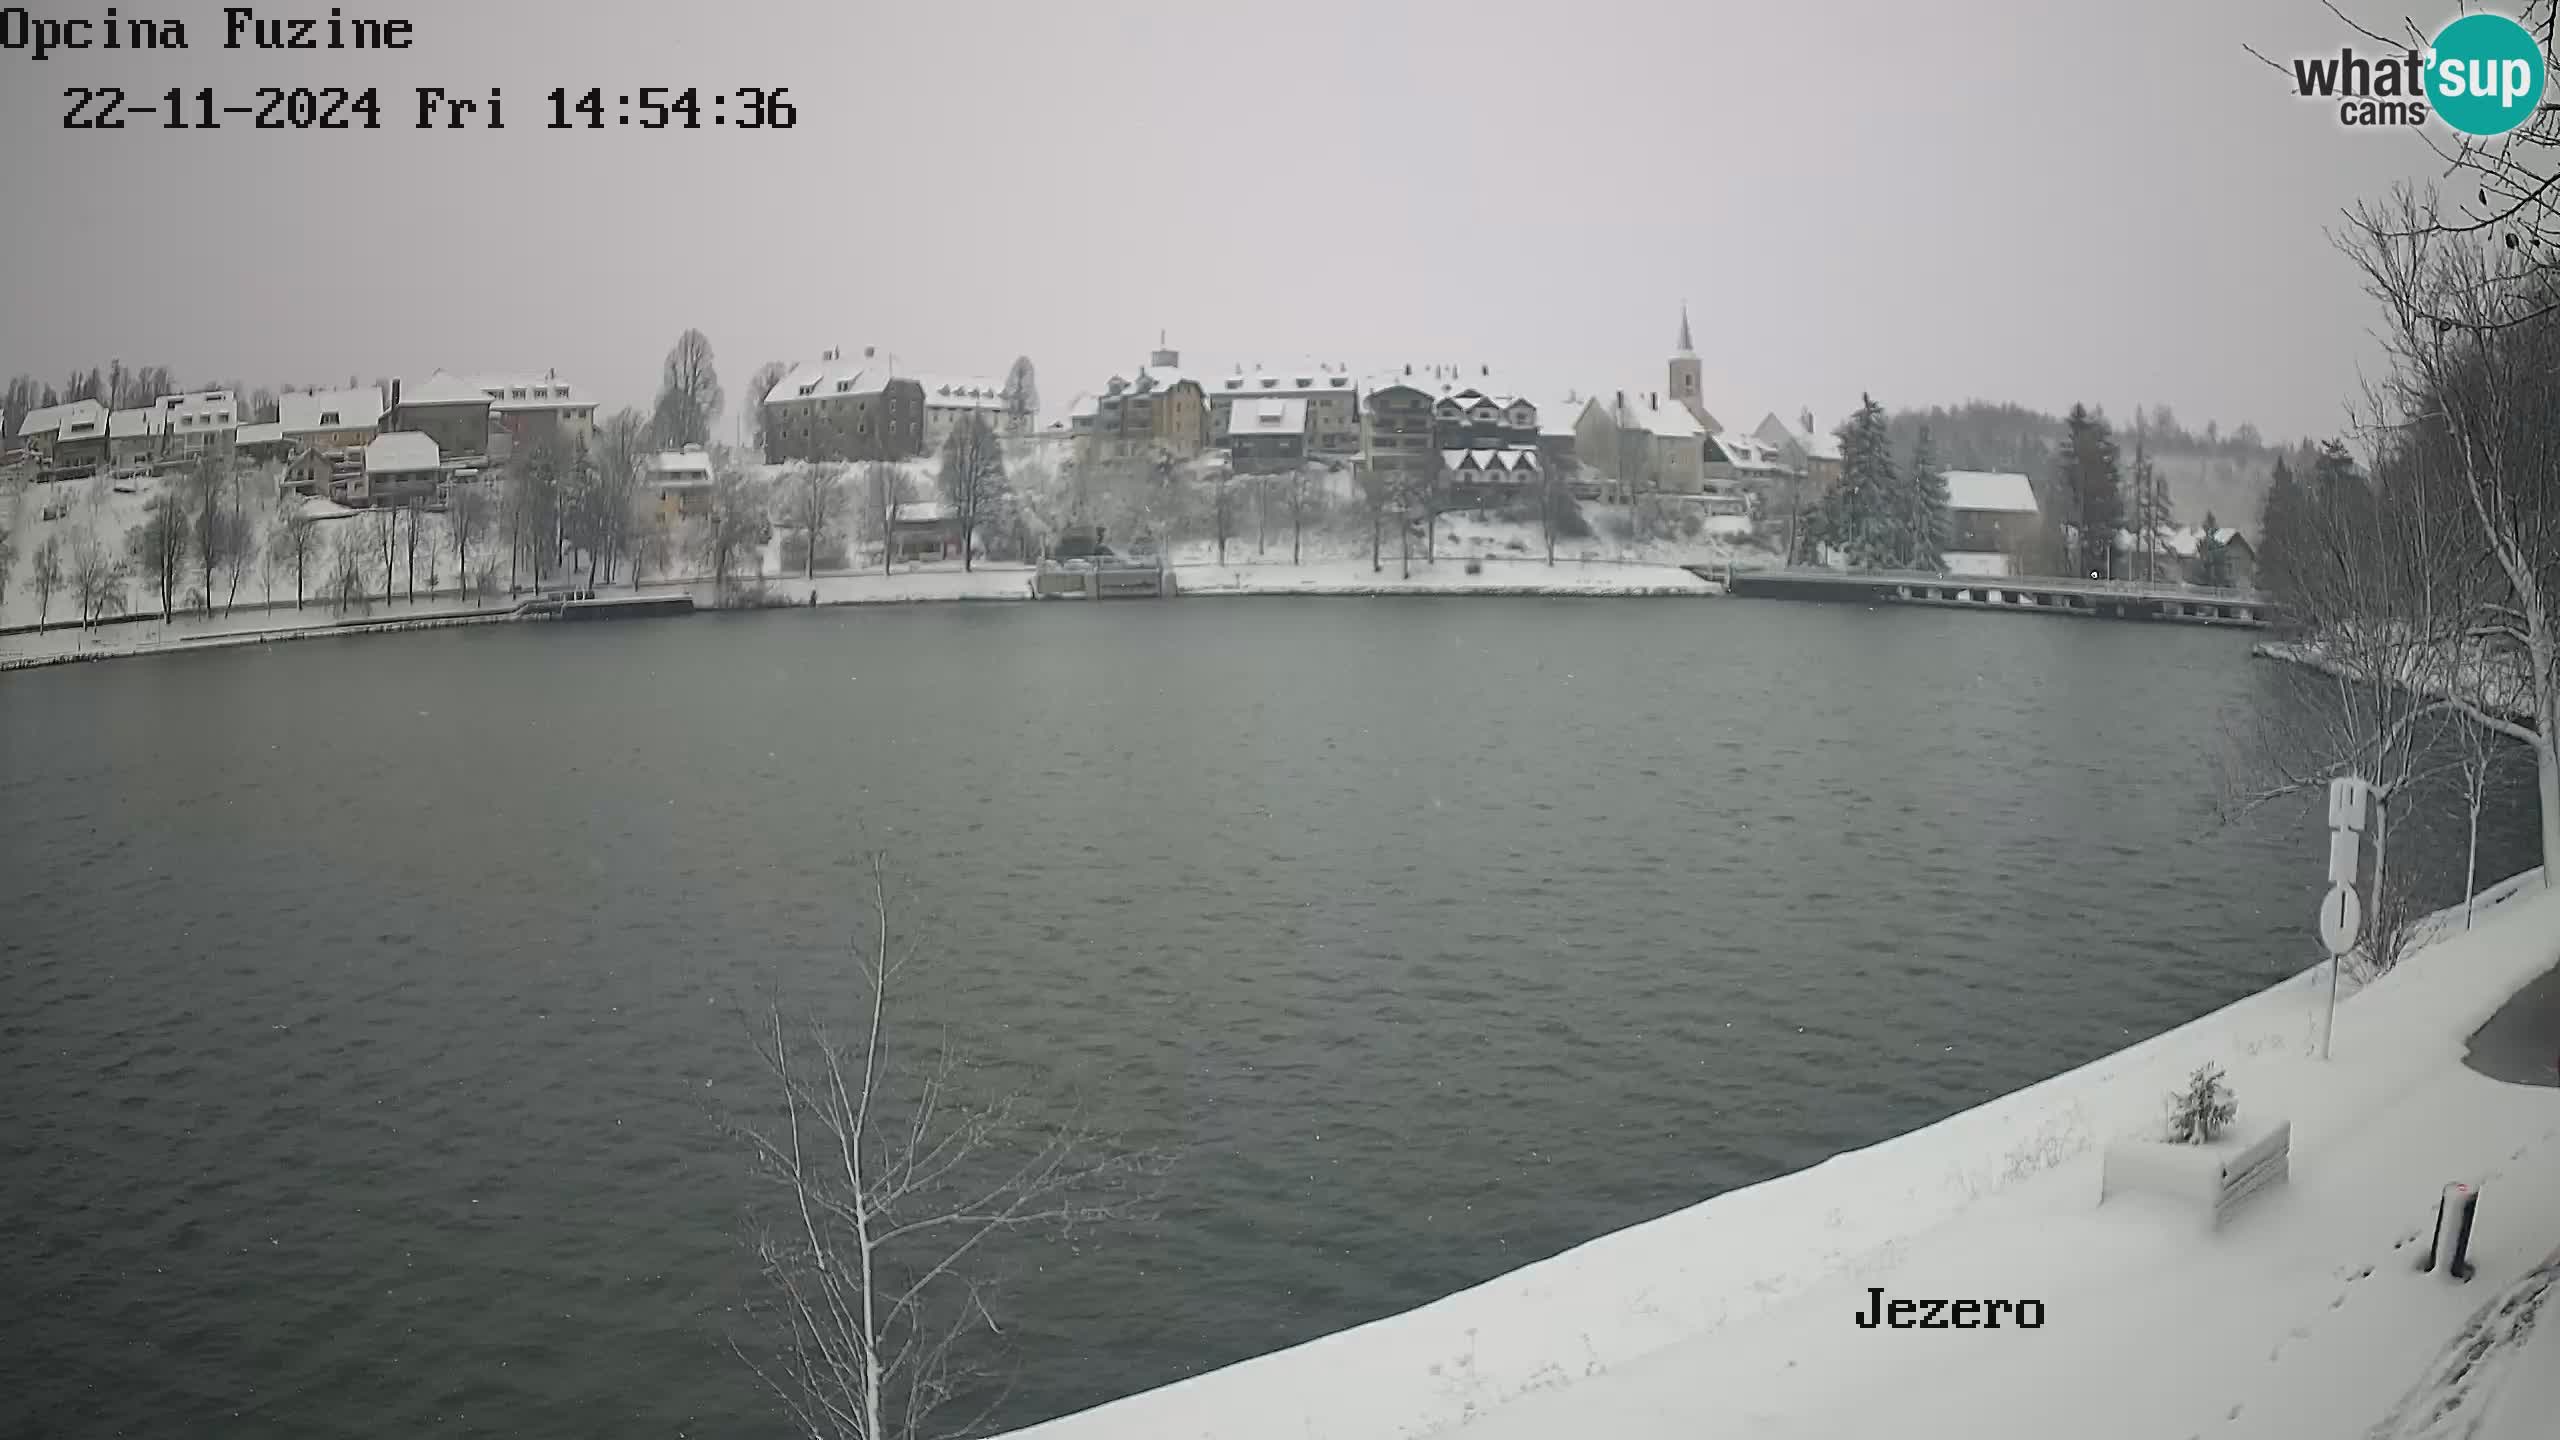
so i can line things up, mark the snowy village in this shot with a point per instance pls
(1641, 721)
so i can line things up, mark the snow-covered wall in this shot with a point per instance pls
(1694, 1272)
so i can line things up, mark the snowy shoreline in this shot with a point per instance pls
(1731, 1308)
(66, 645)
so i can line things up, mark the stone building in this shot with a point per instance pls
(839, 409)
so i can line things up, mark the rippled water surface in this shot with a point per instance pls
(364, 1004)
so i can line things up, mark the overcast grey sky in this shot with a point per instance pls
(2025, 200)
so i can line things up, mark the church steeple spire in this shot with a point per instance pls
(1685, 347)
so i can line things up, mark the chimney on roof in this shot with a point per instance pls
(1484, 371)
(1653, 401)
(395, 396)
(1808, 420)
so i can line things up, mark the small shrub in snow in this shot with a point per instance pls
(2203, 1110)
(1474, 566)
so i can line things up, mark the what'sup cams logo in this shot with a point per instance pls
(2482, 76)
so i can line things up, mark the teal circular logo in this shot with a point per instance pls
(2484, 76)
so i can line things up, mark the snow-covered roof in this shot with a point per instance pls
(921, 512)
(679, 467)
(401, 451)
(2182, 540)
(135, 424)
(309, 412)
(1749, 454)
(1995, 491)
(1562, 417)
(960, 393)
(321, 507)
(1509, 458)
(1652, 413)
(526, 392)
(79, 420)
(442, 389)
(834, 375)
(269, 433)
(1083, 406)
(47, 419)
(1310, 379)
(201, 408)
(1816, 444)
(1267, 415)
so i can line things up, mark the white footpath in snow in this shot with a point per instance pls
(2305, 1315)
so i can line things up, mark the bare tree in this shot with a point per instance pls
(737, 524)
(346, 588)
(2475, 337)
(8, 543)
(97, 579)
(466, 519)
(689, 396)
(294, 529)
(159, 546)
(884, 489)
(1021, 397)
(973, 481)
(810, 506)
(891, 1187)
(759, 385)
(1301, 480)
(623, 453)
(45, 573)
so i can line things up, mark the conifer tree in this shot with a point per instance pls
(2090, 487)
(2147, 502)
(1927, 527)
(2279, 520)
(1862, 515)
(2213, 558)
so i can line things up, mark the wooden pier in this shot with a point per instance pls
(2017, 594)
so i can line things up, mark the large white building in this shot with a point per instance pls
(1331, 393)
(203, 420)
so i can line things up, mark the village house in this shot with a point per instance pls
(1161, 412)
(134, 436)
(1557, 450)
(1264, 434)
(78, 434)
(1992, 518)
(261, 443)
(2180, 558)
(835, 409)
(1396, 424)
(1811, 453)
(400, 468)
(195, 423)
(951, 402)
(329, 419)
(924, 530)
(526, 408)
(1642, 444)
(1471, 478)
(325, 474)
(1332, 399)
(452, 412)
(681, 482)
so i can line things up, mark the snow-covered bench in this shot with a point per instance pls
(2217, 1176)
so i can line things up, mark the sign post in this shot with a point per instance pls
(2341, 912)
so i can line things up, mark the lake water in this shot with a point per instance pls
(367, 1002)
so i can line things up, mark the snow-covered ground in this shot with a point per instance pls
(1493, 576)
(2305, 1315)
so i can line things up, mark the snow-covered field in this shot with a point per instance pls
(2305, 1315)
